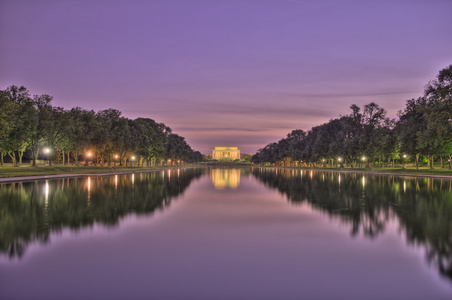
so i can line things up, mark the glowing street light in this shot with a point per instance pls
(47, 151)
(404, 161)
(89, 155)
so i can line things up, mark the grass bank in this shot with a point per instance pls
(8, 171)
(423, 171)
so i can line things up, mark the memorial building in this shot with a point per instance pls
(226, 153)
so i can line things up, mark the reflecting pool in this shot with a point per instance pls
(244, 233)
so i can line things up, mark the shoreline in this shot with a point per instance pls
(363, 172)
(59, 176)
(123, 172)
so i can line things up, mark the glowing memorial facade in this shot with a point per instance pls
(226, 153)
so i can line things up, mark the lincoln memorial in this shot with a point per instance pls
(226, 152)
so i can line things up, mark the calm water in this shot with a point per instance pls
(227, 234)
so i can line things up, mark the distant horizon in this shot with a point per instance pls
(239, 73)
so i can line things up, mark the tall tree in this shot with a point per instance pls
(438, 113)
(25, 122)
(8, 113)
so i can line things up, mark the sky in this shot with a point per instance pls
(224, 72)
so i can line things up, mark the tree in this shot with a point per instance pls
(410, 126)
(7, 120)
(438, 114)
(24, 122)
(80, 133)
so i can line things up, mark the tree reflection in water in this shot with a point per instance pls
(422, 206)
(30, 211)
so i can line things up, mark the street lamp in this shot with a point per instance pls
(47, 151)
(116, 157)
(89, 155)
(132, 159)
(404, 161)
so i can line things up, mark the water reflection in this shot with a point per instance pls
(365, 203)
(225, 178)
(30, 211)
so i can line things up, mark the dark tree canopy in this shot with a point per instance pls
(32, 123)
(366, 136)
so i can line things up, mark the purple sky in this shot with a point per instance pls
(226, 73)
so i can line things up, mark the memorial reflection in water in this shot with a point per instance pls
(225, 178)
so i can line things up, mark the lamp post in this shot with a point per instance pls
(89, 155)
(341, 165)
(116, 158)
(47, 151)
(132, 158)
(404, 161)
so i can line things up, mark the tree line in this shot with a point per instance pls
(31, 124)
(422, 132)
